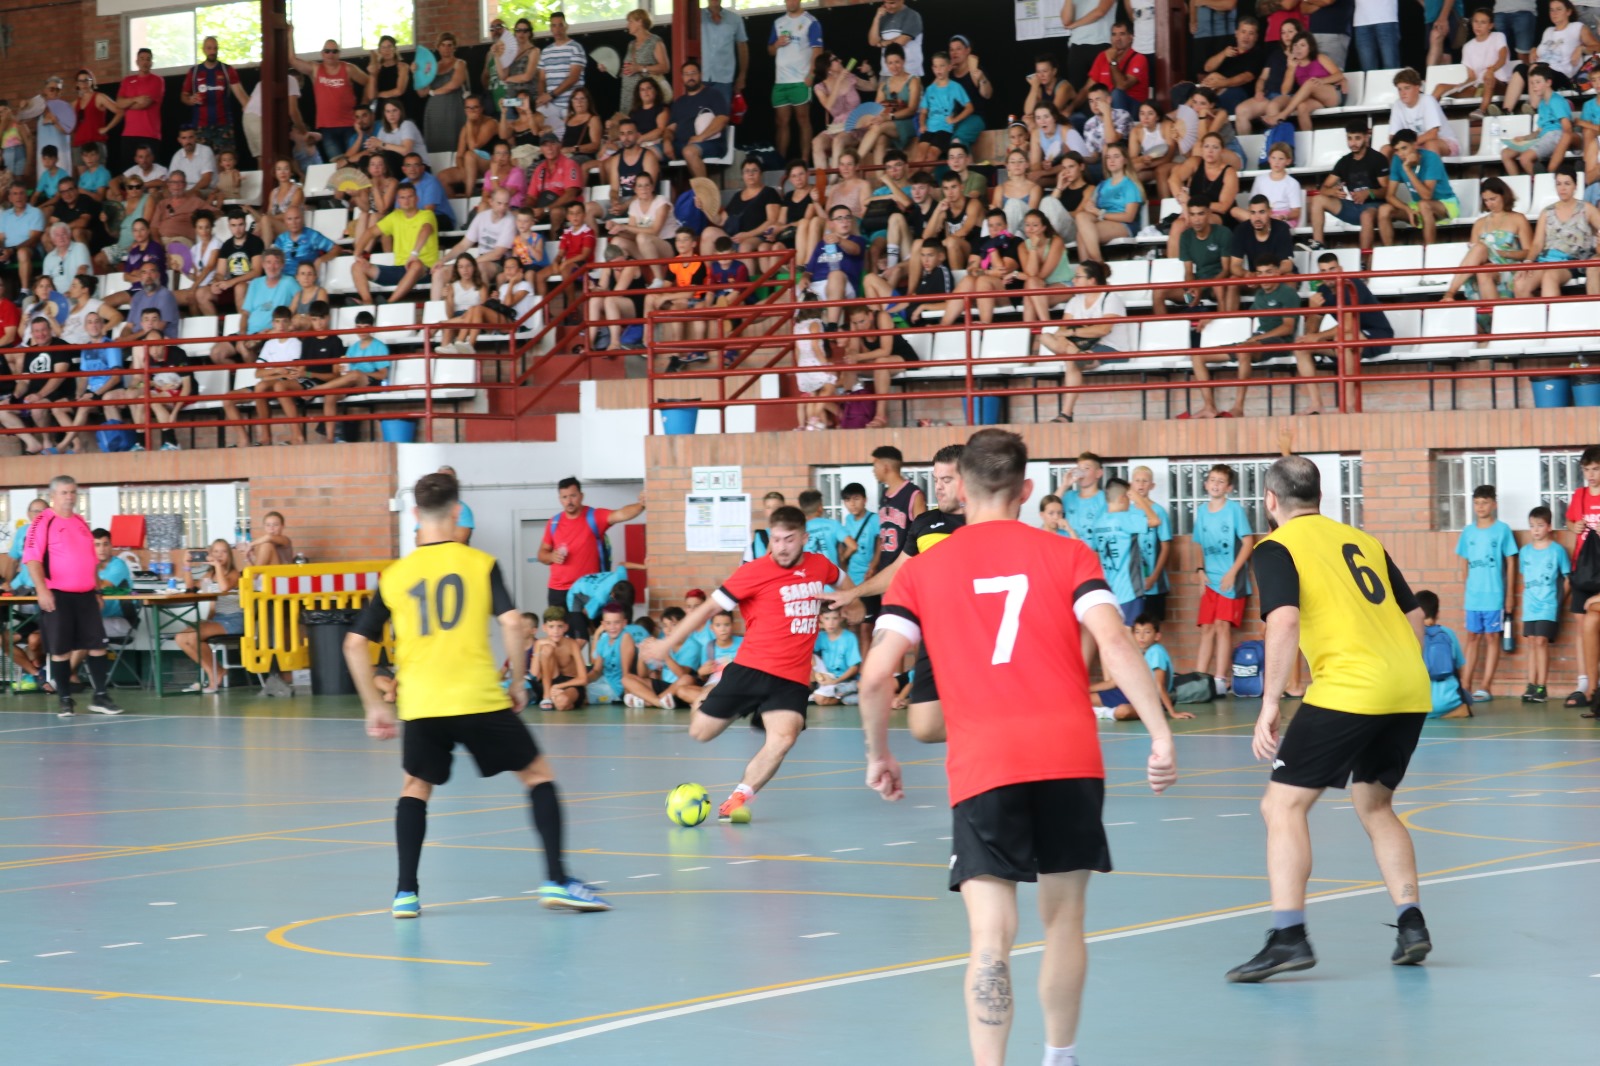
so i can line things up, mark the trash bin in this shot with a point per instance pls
(325, 630)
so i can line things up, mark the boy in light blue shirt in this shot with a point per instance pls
(1222, 533)
(1115, 537)
(835, 661)
(1155, 544)
(1111, 704)
(1081, 496)
(1542, 563)
(1053, 517)
(823, 535)
(1488, 552)
(1449, 698)
(1552, 134)
(861, 526)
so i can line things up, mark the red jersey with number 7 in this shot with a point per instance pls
(780, 605)
(998, 607)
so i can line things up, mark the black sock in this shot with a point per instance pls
(61, 676)
(99, 673)
(169, 436)
(547, 823)
(410, 828)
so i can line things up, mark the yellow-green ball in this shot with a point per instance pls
(688, 805)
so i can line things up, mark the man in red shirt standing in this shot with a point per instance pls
(140, 96)
(780, 597)
(1122, 70)
(1026, 779)
(1583, 519)
(574, 545)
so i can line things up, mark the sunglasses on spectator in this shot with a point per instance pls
(474, 107)
(330, 51)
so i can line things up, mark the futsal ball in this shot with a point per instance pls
(688, 804)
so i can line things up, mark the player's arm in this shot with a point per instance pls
(368, 630)
(876, 585)
(1166, 698)
(628, 513)
(1247, 545)
(877, 694)
(847, 550)
(1151, 518)
(662, 647)
(1163, 551)
(1129, 672)
(1512, 567)
(504, 608)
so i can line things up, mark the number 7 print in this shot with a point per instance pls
(1016, 589)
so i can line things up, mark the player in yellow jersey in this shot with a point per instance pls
(1332, 591)
(439, 599)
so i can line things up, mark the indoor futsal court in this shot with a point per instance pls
(214, 888)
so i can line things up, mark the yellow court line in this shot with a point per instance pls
(1406, 820)
(100, 993)
(280, 936)
(423, 1047)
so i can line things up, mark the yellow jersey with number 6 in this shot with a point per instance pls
(441, 598)
(1364, 654)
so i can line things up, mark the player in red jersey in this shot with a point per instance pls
(780, 597)
(1026, 779)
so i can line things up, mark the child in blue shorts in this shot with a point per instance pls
(1488, 552)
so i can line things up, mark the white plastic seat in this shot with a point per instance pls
(1166, 271)
(403, 314)
(250, 189)
(345, 318)
(1566, 318)
(1327, 148)
(1006, 342)
(1395, 257)
(1517, 318)
(208, 383)
(1442, 257)
(1378, 91)
(1407, 326)
(1466, 190)
(1456, 319)
(317, 176)
(244, 378)
(438, 161)
(1521, 186)
(1224, 332)
(113, 283)
(1444, 74)
(1544, 194)
(336, 276)
(1166, 335)
(198, 326)
(330, 222)
(1306, 262)
(232, 324)
(1356, 82)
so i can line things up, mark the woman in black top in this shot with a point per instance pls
(753, 213)
(581, 140)
(649, 113)
(391, 80)
(1066, 199)
(1205, 179)
(799, 203)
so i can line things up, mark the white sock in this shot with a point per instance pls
(893, 252)
(1060, 1056)
(1220, 684)
(746, 790)
(1583, 682)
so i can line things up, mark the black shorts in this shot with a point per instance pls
(1017, 832)
(939, 140)
(1328, 749)
(75, 625)
(1546, 629)
(1579, 599)
(497, 740)
(659, 686)
(923, 688)
(744, 690)
(1155, 605)
(873, 605)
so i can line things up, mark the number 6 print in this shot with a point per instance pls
(1016, 589)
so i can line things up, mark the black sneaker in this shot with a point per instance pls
(67, 708)
(1311, 246)
(1528, 694)
(1539, 694)
(1286, 949)
(102, 703)
(1411, 942)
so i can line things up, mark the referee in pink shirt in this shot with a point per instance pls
(60, 555)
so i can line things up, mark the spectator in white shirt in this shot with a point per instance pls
(194, 161)
(273, 382)
(487, 239)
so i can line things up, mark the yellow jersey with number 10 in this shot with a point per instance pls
(442, 599)
(1364, 655)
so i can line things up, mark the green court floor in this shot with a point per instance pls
(206, 880)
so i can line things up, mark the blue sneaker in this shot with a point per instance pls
(574, 895)
(602, 339)
(406, 905)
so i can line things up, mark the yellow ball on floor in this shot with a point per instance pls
(688, 805)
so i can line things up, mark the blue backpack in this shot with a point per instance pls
(1437, 654)
(115, 440)
(1247, 663)
(1282, 133)
(601, 542)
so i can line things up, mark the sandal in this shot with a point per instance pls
(876, 422)
(1576, 700)
(1063, 417)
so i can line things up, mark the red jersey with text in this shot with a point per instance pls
(988, 607)
(780, 605)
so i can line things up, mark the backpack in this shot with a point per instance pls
(602, 543)
(1586, 567)
(1193, 687)
(760, 543)
(115, 440)
(1282, 133)
(688, 213)
(1247, 662)
(1437, 654)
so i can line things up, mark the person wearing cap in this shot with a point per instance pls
(724, 49)
(554, 182)
(965, 72)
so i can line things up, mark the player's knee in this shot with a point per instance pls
(703, 728)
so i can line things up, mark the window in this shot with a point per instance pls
(1455, 478)
(186, 501)
(174, 37)
(1187, 490)
(1061, 468)
(578, 12)
(82, 507)
(1559, 477)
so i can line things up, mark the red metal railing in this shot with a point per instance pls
(1347, 377)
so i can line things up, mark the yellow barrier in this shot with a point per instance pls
(273, 598)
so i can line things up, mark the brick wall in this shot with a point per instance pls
(1397, 450)
(334, 500)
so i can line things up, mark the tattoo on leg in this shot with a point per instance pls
(878, 637)
(991, 987)
(1408, 892)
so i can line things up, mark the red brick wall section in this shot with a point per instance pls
(1397, 452)
(335, 501)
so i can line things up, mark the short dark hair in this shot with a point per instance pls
(895, 155)
(787, 517)
(89, 282)
(1259, 199)
(318, 309)
(950, 453)
(1248, 20)
(282, 311)
(614, 608)
(436, 493)
(1048, 500)
(1403, 137)
(1428, 600)
(1148, 620)
(855, 488)
(1357, 125)
(994, 463)
(1484, 492)
(1091, 457)
(687, 63)
(810, 500)
(1296, 481)
(893, 50)
(1225, 470)
(773, 495)
(102, 534)
(674, 614)
(1125, 23)
(1542, 512)
(555, 614)
(1327, 257)
(1117, 484)
(1590, 456)
(888, 451)
(569, 483)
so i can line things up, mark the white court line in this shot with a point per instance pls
(640, 877)
(97, 720)
(841, 851)
(590, 882)
(495, 1054)
(164, 903)
(1108, 824)
(899, 843)
(186, 936)
(1344, 808)
(1177, 819)
(253, 928)
(744, 862)
(815, 936)
(692, 869)
(53, 954)
(129, 944)
(1525, 795)
(482, 899)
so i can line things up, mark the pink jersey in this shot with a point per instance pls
(66, 547)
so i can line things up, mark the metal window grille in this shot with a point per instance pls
(1455, 478)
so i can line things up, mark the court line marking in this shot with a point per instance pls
(186, 936)
(818, 936)
(92, 722)
(129, 944)
(53, 954)
(948, 962)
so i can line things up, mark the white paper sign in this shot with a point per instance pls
(716, 522)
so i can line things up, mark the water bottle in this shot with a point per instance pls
(300, 559)
(1507, 643)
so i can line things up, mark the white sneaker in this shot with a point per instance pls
(669, 703)
(630, 700)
